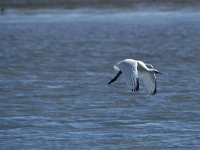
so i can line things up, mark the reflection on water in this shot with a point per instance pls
(54, 73)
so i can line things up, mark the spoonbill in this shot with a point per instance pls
(135, 70)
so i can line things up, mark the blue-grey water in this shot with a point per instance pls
(54, 70)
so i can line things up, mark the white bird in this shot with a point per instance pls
(133, 70)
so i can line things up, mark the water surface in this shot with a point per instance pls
(54, 71)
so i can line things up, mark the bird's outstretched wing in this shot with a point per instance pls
(129, 73)
(149, 80)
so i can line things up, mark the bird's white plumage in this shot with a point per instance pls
(129, 70)
(147, 75)
(134, 69)
(149, 81)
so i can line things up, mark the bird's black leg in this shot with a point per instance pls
(115, 78)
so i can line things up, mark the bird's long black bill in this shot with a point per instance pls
(115, 78)
(158, 72)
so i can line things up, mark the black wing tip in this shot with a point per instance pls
(154, 92)
(115, 78)
(137, 85)
(109, 82)
(155, 89)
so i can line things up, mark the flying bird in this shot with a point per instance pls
(133, 71)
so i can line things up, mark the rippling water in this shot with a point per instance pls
(54, 71)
